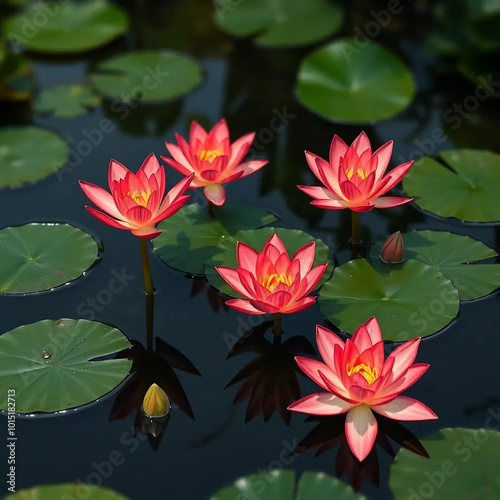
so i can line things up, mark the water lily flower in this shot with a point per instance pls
(136, 202)
(354, 176)
(270, 281)
(393, 250)
(360, 382)
(156, 402)
(212, 158)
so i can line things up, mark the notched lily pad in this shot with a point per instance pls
(409, 300)
(65, 101)
(293, 239)
(344, 83)
(465, 188)
(42, 256)
(463, 462)
(29, 154)
(190, 237)
(455, 257)
(281, 23)
(147, 76)
(51, 365)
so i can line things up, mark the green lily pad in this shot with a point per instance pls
(280, 485)
(344, 83)
(147, 76)
(67, 100)
(409, 300)
(293, 239)
(463, 463)
(280, 23)
(37, 257)
(49, 364)
(466, 188)
(190, 237)
(28, 154)
(452, 255)
(66, 27)
(66, 491)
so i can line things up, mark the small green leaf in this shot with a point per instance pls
(66, 100)
(66, 491)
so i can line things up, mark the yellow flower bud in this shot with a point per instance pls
(393, 250)
(156, 402)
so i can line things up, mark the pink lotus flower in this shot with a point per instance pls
(354, 177)
(212, 158)
(270, 280)
(358, 380)
(135, 202)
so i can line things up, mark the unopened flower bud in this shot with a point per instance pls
(156, 402)
(393, 250)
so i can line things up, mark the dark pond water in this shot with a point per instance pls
(248, 86)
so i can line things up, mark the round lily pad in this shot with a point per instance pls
(66, 491)
(343, 82)
(41, 256)
(280, 485)
(147, 76)
(466, 188)
(190, 237)
(409, 300)
(293, 239)
(66, 101)
(281, 23)
(28, 154)
(49, 364)
(463, 463)
(453, 255)
(66, 27)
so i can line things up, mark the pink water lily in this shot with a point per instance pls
(360, 382)
(271, 281)
(212, 158)
(354, 176)
(136, 202)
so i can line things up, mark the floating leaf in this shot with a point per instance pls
(466, 189)
(66, 27)
(452, 254)
(280, 485)
(463, 463)
(281, 23)
(190, 237)
(67, 100)
(28, 154)
(409, 300)
(66, 491)
(345, 83)
(37, 257)
(147, 76)
(293, 239)
(49, 364)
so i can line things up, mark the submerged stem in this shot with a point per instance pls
(146, 269)
(277, 329)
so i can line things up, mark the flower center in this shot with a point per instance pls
(349, 172)
(209, 154)
(140, 198)
(369, 374)
(271, 281)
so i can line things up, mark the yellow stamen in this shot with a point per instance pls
(140, 198)
(210, 154)
(369, 374)
(349, 172)
(271, 281)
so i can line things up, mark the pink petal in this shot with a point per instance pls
(361, 144)
(196, 133)
(108, 220)
(243, 306)
(139, 216)
(338, 149)
(383, 154)
(177, 166)
(239, 149)
(351, 192)
(150, 166)
(305, 255)
(321, 404)
(101, 198)
(326, 341)
(250, 167)
(312, 369)
(275, 241)
(116, 172)
(374, 330)
(318, 192)
(220, 131)
(404, 408)
(146, 232)
(232, 278)
(215, 193)
(390, 201)
(362, 338)
(330, 204)
(404, 355)
(178, 157)
(361, 431)
(313, 277)
(402, 383)
(391, 179)
(246, 257)
(300, 305)
(314, 161)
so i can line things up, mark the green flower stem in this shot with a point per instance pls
(277, 329)
(146, 269)
(150, 311)
(355, 227)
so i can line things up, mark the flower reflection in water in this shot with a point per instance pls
(330, 431)
(216, 300)
(270, 380)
